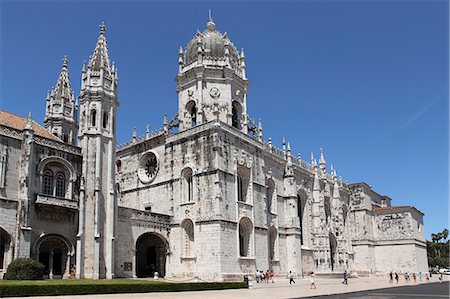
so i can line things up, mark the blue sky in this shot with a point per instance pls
(365, 80)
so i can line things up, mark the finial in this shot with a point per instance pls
(211, 25)
(29, 122)
(312, 157)
(65, 61)
(147, 133)
(134, 134)
(322, 158)
(102, 28)
(289, 147)
(242, 53)
(180, 51)
(299, 157)
(331, 169)
(166, 124)
(84, 66)
(113, 67)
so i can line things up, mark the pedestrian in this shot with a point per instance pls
(291, 277)
(271, 276)
(391, 277)
(267, 276)
(414, 277)
(313, 284)
(396, 277)
(406, 276)
(420, 276)
(427, 278)
(345, 277)
(262, 276)
(257, 276)
(440, 278)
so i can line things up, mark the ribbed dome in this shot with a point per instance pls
(213, 44)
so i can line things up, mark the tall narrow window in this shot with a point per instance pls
(245, 232)
(187, 187)
(60, 185)
(236, 112)
(47, 182)
(191, 109)
(2, 250)
(93, 117)
(105, 120)
(239, 189)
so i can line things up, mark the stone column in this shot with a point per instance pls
(50, 264)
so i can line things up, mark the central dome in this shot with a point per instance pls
(212, 45)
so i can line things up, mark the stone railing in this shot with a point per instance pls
(57, 201)
(141, 138)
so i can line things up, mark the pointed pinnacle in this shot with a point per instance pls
(102, 28)
(65, 61)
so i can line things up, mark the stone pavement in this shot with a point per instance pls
(279, 289)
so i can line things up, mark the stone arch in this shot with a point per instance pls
(188, 238)
(245, 237)
(151, 253)
(236, 114)
(187, 185)
(55, 252)
(5, 248)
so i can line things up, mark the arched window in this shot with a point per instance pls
(191, 108)
(105, 120)
(273, 235)
(236, 111)
(245, 233)
(187, 186)
(93, 117)
(327, 209)
(242, 181)
(301, 203)
(47, 182)
(60, 185)
(187, 227)
(271, 196)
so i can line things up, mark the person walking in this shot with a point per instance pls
(396, 277)
(427, 278)
(312, 278)
(391, 277)
(345, 277)
(420, 276)
(271, 276)
(257, 276)
(440, 278)
(291, 278)
(414, 277)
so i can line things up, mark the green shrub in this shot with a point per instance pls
(24, 269)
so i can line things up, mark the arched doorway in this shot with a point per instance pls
(5, 241)
(151, 252)
(54, 253)
(333, 245)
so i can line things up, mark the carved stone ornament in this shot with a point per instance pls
(148, 167)
(214, 93)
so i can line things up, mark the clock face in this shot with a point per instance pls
(214, 93)
(148, 167)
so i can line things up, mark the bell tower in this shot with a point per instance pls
(211, 81)
(61, 110)
(97, 139)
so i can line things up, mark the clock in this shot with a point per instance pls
(148, 167)
(214, 93)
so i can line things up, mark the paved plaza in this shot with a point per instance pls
(378, 288)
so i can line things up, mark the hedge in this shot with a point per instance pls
(85, 287)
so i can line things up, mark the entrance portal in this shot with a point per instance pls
(151, 252)
(53, 253)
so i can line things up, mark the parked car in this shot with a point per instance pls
(445, 271)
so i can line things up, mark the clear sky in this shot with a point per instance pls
(365, 80)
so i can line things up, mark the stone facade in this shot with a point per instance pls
(205, 196)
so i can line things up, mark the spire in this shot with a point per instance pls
(284, 147)
(260, 131)
(289, 156)
(100, 57)
(166, 124)
(313, 161)
(322, 162)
